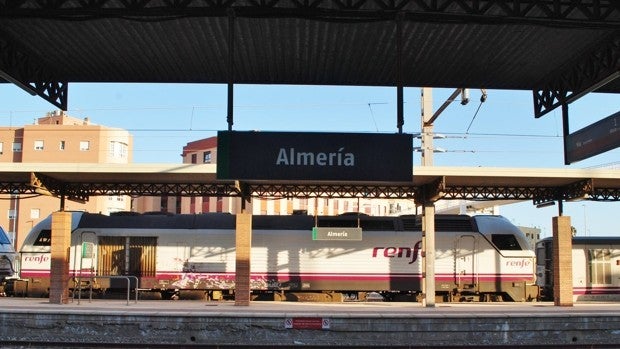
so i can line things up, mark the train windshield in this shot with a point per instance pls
(506, 242)
(44, 238)
(4, 239)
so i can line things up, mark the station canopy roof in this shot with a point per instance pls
(80, 181)
(557, 48)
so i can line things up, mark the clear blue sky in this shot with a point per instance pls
(502, 133)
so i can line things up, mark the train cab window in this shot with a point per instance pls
(44, 238)
(505, 242)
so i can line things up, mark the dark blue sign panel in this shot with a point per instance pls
(601, 136)
(314, 156)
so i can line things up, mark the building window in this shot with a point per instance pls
(194, 158)
(12, 214)
(117, 198)
(17, 147)
(61, 145)
(118, 149)
(84, 145)
(38, 145)
(35, 213)
(1, 148)
(206, 157)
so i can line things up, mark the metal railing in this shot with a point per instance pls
(90, 286)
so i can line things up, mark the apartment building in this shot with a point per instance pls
(205, 151)
(59, 138)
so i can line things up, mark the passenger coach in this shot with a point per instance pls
(596, 268)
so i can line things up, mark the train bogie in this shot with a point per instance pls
(193, 256)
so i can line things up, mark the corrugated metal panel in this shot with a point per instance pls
(115, 259)
(111, 255)
(456, 44)
(142, 256)
(302, 51)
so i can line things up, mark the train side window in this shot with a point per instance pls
(600, 264)
(505, 242)
(540, 256)
(44, 238)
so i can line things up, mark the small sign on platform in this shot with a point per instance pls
(88, 249)
(337, 233)
(307, 323)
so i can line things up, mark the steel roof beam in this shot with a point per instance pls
(15, 64)
(588, 73)
(82, 191)
(575, 13)
(581, 190)
(331, 191)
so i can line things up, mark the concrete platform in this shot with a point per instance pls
(112, 323)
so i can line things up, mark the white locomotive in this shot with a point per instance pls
(596, 268)
(482, 258)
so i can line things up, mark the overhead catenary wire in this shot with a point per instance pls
(372, 115)
(473, 118)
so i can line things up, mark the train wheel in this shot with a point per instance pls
(168, 295)
(350, 296)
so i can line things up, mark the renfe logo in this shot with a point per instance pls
(520, 263)
(399, 252)
(37, 259)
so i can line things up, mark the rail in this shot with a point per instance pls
(126, 277)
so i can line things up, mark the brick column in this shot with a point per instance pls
(562, 262)
(428, 257)
(242, 268)
(59, 270)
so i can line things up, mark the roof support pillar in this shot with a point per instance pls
(427, 195)
(244, 193)
(562, 262)
(243, 246)
(428, 253)
(59, 264)
(231, 67)
(565, 131)
(427, 127)
(400, 115)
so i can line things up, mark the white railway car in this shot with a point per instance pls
(596, 268)
(477, 258)
(7, 256)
